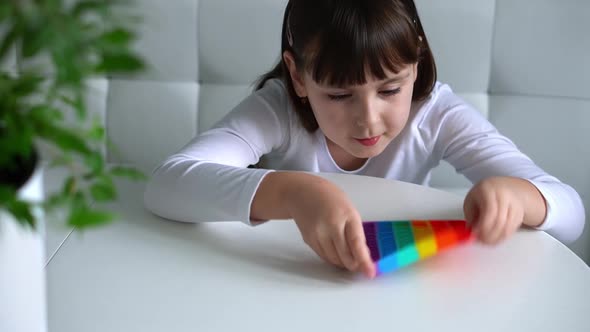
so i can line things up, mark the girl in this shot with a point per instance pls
(355, 92)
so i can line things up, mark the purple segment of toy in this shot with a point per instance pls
(371, 236)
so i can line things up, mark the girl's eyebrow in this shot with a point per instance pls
(394, 79)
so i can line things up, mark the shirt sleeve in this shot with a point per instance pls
(208, 179)
(471, 144)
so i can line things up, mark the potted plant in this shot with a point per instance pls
(44, 123)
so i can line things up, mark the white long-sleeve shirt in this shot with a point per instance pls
(208, 179)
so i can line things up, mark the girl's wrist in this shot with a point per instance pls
(535, 206)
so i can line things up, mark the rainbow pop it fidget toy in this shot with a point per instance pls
(395, 244)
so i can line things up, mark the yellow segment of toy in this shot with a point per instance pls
(425, 239)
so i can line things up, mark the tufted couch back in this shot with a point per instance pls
(523, 63)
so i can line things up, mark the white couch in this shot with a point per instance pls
(524, 63)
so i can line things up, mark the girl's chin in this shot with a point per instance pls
(366, 152)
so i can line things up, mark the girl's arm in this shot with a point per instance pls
(208, 179)
(470, 143)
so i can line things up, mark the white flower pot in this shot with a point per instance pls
(23, 305)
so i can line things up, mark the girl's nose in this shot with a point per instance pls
(367, 114)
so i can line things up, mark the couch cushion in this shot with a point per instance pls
(238, 40)
(541, 47)
(460, 35)
(148, 120)
(168, 39)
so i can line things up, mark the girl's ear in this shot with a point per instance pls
(415, 71)
(296, 78)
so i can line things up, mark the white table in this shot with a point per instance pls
(146, 274)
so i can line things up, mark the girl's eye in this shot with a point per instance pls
(386, 93)
(338, 97)
(390, 92)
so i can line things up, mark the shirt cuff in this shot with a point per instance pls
(550, 218)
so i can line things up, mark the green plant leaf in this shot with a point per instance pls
(8, 41)
(97, 132)
(68, 72)
(116, 37)
(86, 217)
(95, 163)
(128, 172)
(26, 84)
(7, 194)
(16, 138)
(77, 104)
(6, 10)
(64, 138)
(54, 200)
(119, 63)
(69, 186)
(45, 113)
(103, 190)
(36, 36)
(22, 213)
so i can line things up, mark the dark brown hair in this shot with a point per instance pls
(338, 40)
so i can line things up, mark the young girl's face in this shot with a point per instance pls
(360, 121)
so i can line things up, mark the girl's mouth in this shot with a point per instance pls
(368, 141)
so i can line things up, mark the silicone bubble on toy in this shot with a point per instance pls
(395, 244)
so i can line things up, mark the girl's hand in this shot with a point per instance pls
(330, 224)
(496, 207)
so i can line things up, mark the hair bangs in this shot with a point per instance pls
(356, 47)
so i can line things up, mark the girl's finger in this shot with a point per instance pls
(330, 251)
(514, 221)
(488, 214)
(344, 252)
(355, 236)
(470, 211)
(315, 245)
(496, 233)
